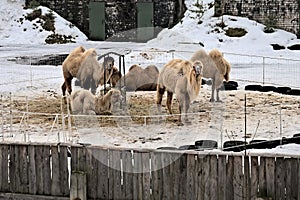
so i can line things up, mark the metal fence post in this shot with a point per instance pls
(263, 78)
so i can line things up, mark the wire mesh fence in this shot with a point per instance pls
(38, 71)
(47, 119)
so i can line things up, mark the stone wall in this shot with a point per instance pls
(120, 15)
(282, 14)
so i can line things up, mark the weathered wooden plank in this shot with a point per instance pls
(137, 176)
(213, 177)
(262, 177)
(298, 177)
(46, 170)
(127, 174)
(74, 159)
(270, 174)
(64, 170)
(12, 168)
(157, 175)
(4, 151)
(247, 181)
(91, 174)
(102, 170)
(115, 174)
(183, 176)
(206, 176)
(238, 180)
(23, 167)
(15, 196)
(229, 178)
(191, 183)
(39, 169)
(254, 178)
(222, 177)
(167, 168)
(55, 184)
(32, 170)
(78, 158)
(289, 184)
(200, 178)
(16, 174)
(175, 171)
(146, 175)
(279, 178)
(78, 185)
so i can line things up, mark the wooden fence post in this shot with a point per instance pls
(78, 186)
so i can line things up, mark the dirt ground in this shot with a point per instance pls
(267, 115)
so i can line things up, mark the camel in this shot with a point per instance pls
(138, 78)
(183, 78)
(84, 102)
(215, 67)
(83, 65)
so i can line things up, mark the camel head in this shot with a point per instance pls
(198, 68)
(108, 62)
(115, 95)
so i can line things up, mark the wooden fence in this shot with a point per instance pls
(44, 170)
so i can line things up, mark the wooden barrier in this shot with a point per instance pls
(110, 173)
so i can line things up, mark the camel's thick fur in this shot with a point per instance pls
(115, 77)
(215, 67)
(70, 68)
(84, 102)
(138, 78)
(183, 78)
(83, 65)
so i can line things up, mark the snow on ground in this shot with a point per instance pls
(183, 39)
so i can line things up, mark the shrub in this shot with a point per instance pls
(235, 32)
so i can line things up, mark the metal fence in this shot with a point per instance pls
(42, 71)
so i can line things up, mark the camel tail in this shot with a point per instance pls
(226, 75)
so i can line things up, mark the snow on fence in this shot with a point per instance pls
(49, 171)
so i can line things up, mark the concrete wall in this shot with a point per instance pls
(120, 15)
(283, 13)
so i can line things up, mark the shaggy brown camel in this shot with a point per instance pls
(183, 78)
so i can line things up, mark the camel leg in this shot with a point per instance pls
(187, 106)
(93, 86)
(68, 83)
(218, 98)
(213, 87)
(160, 93)
(169, 101)
(184, 107)
(64, 88)
(219, 87)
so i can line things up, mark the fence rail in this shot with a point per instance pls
(45, 169)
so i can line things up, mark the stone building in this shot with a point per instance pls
(282, 14)
(119, 19)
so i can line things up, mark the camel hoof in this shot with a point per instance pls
(212, 100)
(219, 101)
(180, 124)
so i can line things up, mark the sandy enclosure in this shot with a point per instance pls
(45, 119)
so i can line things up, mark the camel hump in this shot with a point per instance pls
(215, 53)
(133, 67)
(152, 69)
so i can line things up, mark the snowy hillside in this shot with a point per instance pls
(28, 26)
(187, 35)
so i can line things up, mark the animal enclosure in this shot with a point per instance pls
(44, 170)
